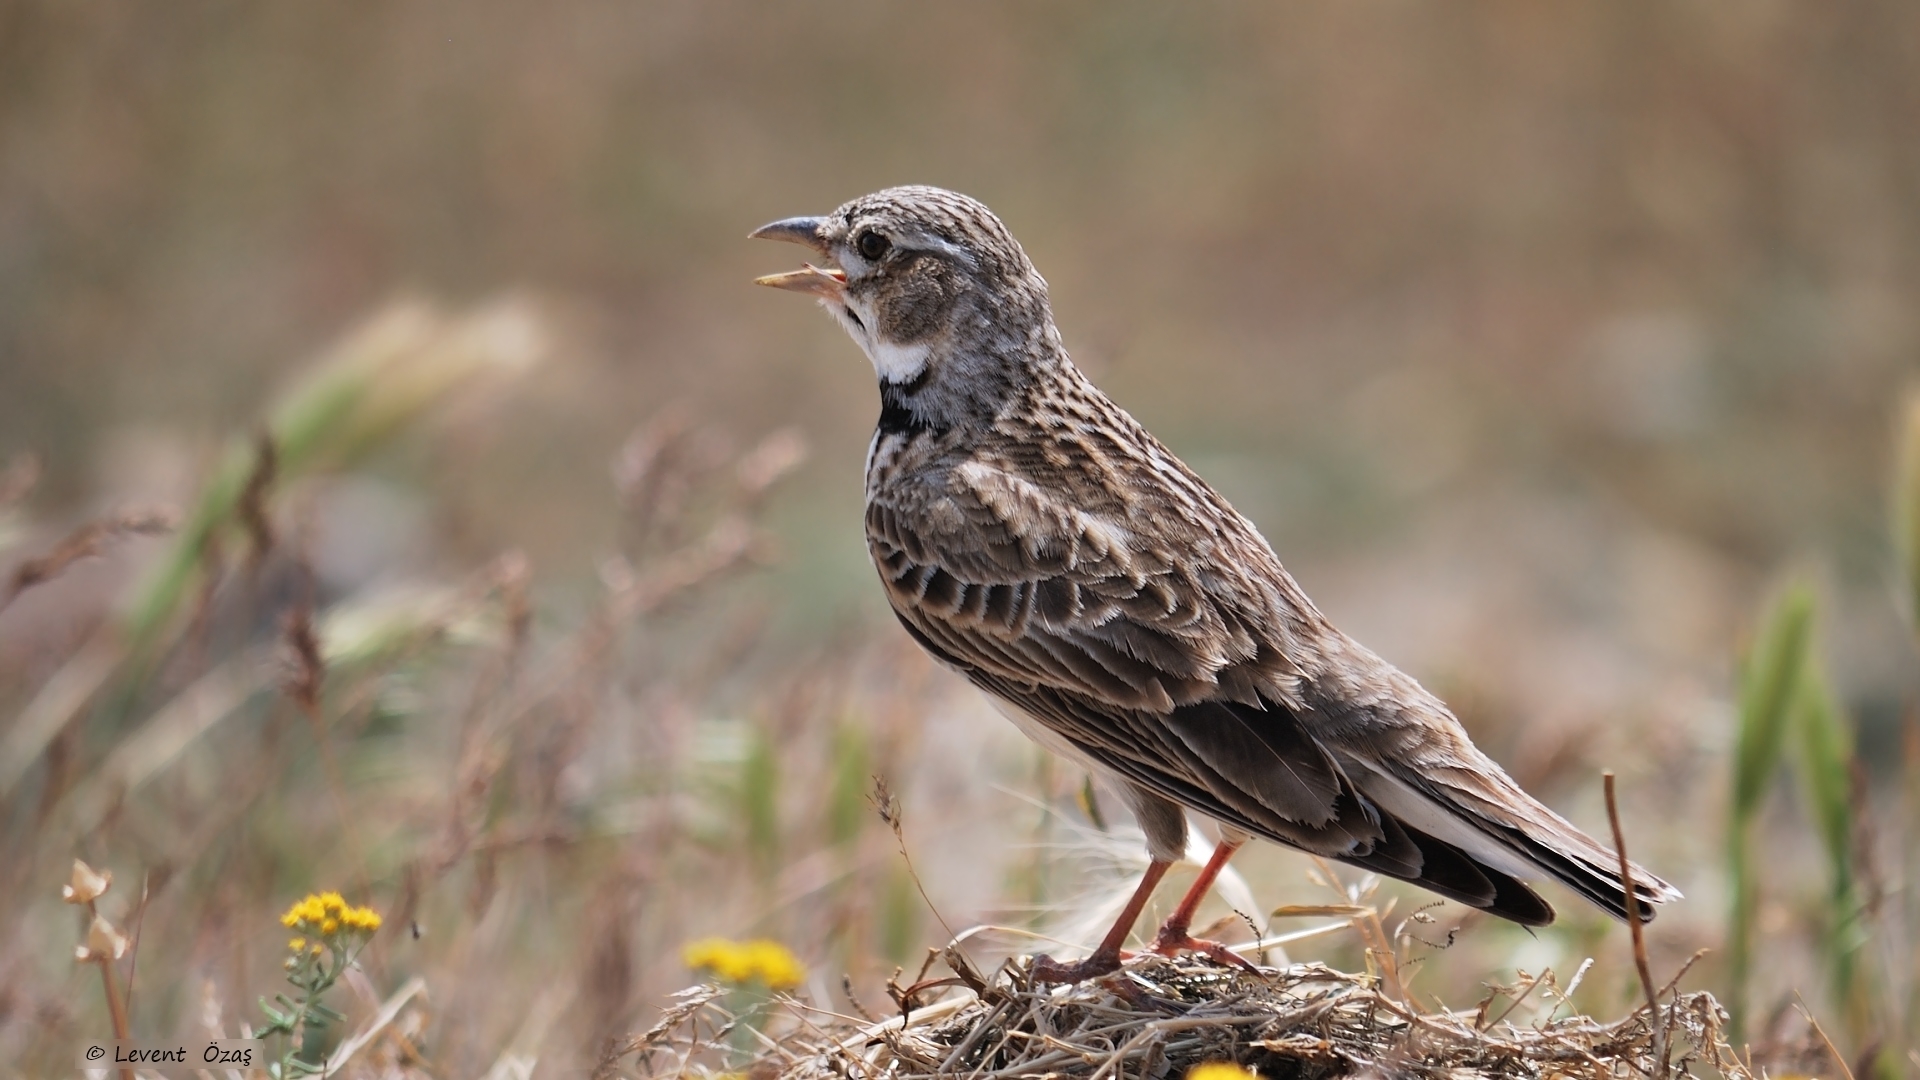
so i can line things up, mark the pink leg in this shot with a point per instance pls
(1173, 936)
(1105, 959)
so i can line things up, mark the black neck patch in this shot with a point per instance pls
(897, 417)
(911, 386)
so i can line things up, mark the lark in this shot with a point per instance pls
(1034, 537)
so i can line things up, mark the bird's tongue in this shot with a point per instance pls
(808, 279)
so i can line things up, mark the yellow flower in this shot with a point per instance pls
(297, 944)
(1220, 1070)
(296, 914)
(717, 955)
(361, 918)
(763, 961)
(327, 914)
(775, 965)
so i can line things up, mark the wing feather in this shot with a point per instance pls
(1183, 674)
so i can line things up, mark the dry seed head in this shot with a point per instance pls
(86, 885)
(103, 942)
(885, 803)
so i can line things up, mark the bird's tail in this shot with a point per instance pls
(1481, 845)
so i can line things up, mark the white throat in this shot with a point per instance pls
(893, 362)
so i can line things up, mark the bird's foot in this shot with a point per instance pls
(1173, 940)
(1048, 970)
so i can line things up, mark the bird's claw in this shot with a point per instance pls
(1172, 941)
(1048, 970)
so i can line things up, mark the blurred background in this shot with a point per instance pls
(1544, 342)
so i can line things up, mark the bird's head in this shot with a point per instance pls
(933, 288)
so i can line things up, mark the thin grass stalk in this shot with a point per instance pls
(847, 809)
(1769, 678)
(1825, 756)
(759, 805)
(1905, 507)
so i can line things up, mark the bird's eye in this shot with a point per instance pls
(872, 245)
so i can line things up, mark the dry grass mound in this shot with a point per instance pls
(1161, 1017)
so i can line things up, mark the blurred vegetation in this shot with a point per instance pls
(1538, 340)
(1788, 712)
(1769, 690)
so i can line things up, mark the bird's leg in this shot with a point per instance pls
(1173, 937)
(1105, 959)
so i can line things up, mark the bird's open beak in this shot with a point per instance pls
(830, 284)
(825, 283)
(810, 231)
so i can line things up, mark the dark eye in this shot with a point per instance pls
(872, 245)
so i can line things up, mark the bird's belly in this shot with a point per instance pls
(1162, 820)
(1037, 730)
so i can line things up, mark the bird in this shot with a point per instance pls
(1034, 537)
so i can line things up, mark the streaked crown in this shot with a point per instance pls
(936, 291)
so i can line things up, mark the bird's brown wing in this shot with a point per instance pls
(1179, 757)
(1145, 664)
(1020, 585)
(1002, 580)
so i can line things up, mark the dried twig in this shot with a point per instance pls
(86, 542)
(888, 807)
(252, 510)
(1633, 927)
(689, 1006)
(1846, 1071)
(414, 987)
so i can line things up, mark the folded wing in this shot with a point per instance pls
(1193, 677)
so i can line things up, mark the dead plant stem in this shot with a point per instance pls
(1639, 936)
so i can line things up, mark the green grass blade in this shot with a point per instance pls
(1770, 675)
(847, 808)
(760, 802)
(369, 387)
(1769, 683)
(298, 427)
(1825, 767)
